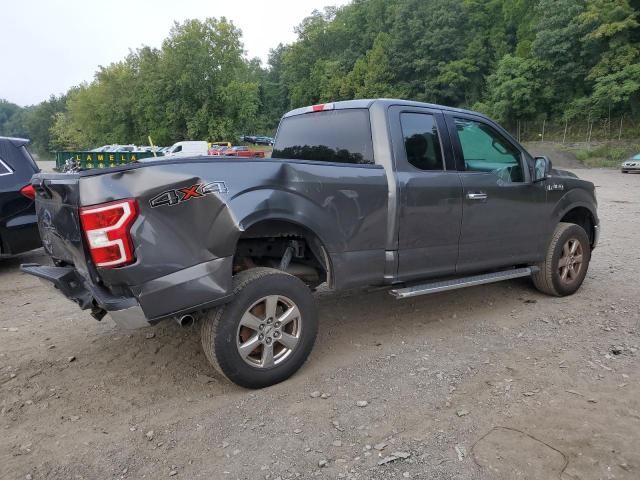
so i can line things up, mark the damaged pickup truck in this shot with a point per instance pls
(422, 198)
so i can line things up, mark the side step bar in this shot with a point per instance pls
(443, 286)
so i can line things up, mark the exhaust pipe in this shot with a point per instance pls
(185, 320)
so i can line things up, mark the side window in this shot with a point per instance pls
(4, 169)
(485, 150)
(421, 141)
(177, 149)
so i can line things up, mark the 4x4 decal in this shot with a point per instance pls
(174, 197)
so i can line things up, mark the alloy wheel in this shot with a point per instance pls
(269, 331)
(570, 263)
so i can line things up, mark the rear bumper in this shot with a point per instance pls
(129, 318)
(125, 311)
(194, 288)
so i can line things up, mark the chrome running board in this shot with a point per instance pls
(443, 286)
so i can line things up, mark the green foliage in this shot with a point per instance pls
(7, 111)
(558, 44)
(32, 122)
(614, 39)
(197, 86)
(518, 60)
(517, 89)
(64, 135)
(372, 75)
(605, 155)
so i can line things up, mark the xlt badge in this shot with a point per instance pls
(555, 186)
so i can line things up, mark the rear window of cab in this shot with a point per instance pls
(340, 136)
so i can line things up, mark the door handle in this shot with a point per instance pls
(477, 196)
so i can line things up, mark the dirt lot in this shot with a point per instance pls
(489, 382)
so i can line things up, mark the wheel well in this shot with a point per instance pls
(285, 246)
(583, 217)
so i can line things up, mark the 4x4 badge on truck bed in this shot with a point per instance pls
(174, 197)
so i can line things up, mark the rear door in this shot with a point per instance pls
(430, 193)
(502, 208)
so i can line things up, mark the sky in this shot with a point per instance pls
(47, 46)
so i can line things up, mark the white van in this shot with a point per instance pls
(188, 149)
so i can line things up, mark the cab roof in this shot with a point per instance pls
(368, 103)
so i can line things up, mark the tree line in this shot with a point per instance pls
(516, 60)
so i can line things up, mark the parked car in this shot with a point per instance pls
(188, 149)
(264, 141)
(218, 151)
(245, 152)
(220, 144)
(126, 148)
(631, 165)
(420, 198)
(18, 224)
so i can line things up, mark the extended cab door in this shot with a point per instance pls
(503, 211)
(430, 193)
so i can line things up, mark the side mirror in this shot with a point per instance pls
(541, 169)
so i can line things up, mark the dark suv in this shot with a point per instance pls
(18, 223)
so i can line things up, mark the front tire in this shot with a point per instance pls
(265, 334)
(567, 261)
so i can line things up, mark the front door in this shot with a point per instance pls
(430, 194)
(503, 211)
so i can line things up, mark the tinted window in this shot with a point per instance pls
(27, 155)
(342, 136)
(485, 150)
(4, 168)
(421, 141)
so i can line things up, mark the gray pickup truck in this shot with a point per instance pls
(421, 198)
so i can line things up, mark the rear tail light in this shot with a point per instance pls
(28, 191)
(106, 228)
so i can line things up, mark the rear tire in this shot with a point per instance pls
(265, 334)
(566, 263)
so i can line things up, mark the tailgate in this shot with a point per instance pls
(57, 204)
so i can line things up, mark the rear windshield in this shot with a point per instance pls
(342, 136)
(16, 159)
(29, 158)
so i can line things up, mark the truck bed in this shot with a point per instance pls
(185, 242)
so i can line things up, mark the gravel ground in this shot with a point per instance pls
(495, 382)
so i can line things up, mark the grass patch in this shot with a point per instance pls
(605, 155)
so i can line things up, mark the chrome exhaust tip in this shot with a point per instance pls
(185, 320)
